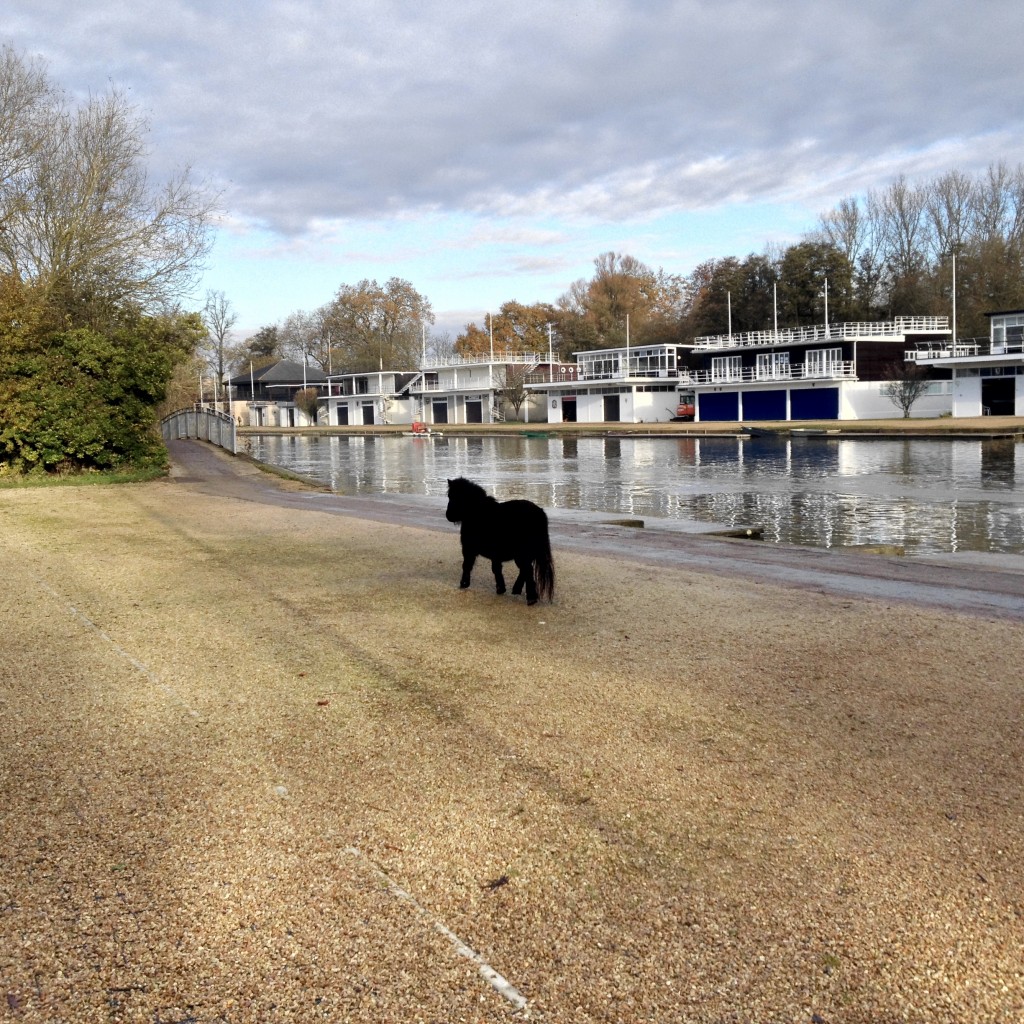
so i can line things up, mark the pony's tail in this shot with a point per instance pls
(544, 568)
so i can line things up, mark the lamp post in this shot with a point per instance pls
(626, 374)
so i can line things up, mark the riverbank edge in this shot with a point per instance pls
(944, 428)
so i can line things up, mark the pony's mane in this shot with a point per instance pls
(466, 489)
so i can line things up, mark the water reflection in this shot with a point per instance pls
(925, 495)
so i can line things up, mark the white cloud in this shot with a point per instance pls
(328, 110)
(530, 123)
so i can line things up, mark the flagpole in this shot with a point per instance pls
(627, 347)
(953, 351)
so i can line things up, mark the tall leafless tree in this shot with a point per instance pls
(219, 318)
(81, 219)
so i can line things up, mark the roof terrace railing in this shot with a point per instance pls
(966, 349)
(475, 358)
(899, 327)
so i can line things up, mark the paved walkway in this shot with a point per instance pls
(989, 585)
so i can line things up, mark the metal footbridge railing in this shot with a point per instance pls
(202, 424)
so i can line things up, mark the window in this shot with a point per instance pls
(772, 365)
(823, 362)
(727, 368)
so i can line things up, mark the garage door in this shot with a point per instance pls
(764, 405)
(718, 407)
(814, 404)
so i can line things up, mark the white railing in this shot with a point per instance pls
(547, 377)
(204, 424)
(473, 385)
(632, 374)
(475, 358)
(942, 351)
(962, 349)
(839, 370)
(821, 332)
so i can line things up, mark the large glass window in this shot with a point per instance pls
(823, 362)
(727, 368)
(1007, 333)
(772, 365)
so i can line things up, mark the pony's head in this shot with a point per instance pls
(463, 495)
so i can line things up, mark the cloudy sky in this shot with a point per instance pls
(488, 152)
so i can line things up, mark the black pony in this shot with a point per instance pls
(507, 531)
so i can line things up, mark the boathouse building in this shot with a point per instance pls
(824, 372)
(987, 373)
(480, 388)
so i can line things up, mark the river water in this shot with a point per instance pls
(928, 496)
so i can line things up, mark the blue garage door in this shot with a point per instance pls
(718, 407)
(814, 404)
(764, 405)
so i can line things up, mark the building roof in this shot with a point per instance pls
(284, 371)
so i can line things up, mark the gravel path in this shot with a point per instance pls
(262, 761)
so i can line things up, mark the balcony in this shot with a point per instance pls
(969, 349)
(839, 370)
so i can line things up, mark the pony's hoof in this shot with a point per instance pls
(463, 586)
(531, 600)
(501, 590)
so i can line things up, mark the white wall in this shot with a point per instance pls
(966, 396)
(655, 406)
(863, 400)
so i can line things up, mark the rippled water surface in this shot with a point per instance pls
(926, 495)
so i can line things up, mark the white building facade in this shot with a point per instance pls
(369, 399)
(824, 372)
(643, 384)
(988, 373)
(485, 388)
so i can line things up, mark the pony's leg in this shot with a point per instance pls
(526, 575)
(499, 577)
(468, 561)
(517, 587)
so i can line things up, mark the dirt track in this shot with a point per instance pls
(263, 761)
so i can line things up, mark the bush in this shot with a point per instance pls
(79, 399)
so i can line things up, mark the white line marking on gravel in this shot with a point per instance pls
(493, 978)
(134, 662)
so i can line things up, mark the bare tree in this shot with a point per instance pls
(512, 386)
(308, 336)
(904, 384)
(81, 220)
(948, 208)
(440, 346)
(844, 228)
(903, 206)
(993, 202)
(26, 95)
(218, 318)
